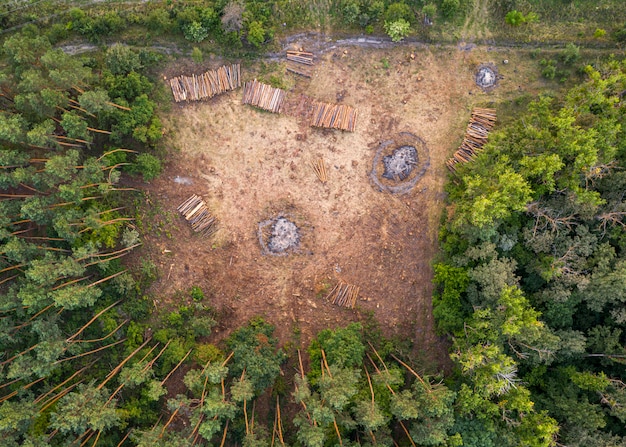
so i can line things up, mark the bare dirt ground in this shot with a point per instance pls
(251, 165)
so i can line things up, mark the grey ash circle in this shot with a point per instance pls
(285, 236)
(400, 163)
(279, 236)
(487, 76)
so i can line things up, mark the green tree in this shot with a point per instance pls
(256, 33)
(397, 30)
(85, 409)
(254, 350)
(121, 59)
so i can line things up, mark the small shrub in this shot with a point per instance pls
(397, 11)
(196, 294)
(206, 352)
(351, 12)
(364, 20)
(196, 55)
(256, 34)
(369, 29)
(277, 81)
(514, 18)
(148, 165)
(620, 35)
(397, 30)
(599, 33)
(159, 20)
(57, 32)
(376, 9)
(175, 319)
(201, 325)
(148, 272)
(571, 54)
(449, 8)
(430, 10)
(195, 32)
(121, 59)
(549, 68)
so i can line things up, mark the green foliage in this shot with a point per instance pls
(549, 68)
(148, 166)
(196, 294)
(256, 33)
(350, 12)
(430, 10)
(516, 18)
(599, 33)
(398, 10)
(121, 59)
(447, 304)
(343, 347)
(195, 32)
(196, 55)
(449, 8)
(254, 350)
(397, 30)
(570, 54)
(85, 409)
(539, 282)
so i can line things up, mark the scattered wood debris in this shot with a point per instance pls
(206, 85)
(334, 116)
(195, 212)
(307, 72)
(301, 57)
(300, 63)
(344, 295)
(263, 96)
(319, 167)
(476, 135)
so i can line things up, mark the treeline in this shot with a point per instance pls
(68, 127)
(532, 283)
(247, 26)
(231, 22)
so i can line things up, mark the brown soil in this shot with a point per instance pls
(250, 165)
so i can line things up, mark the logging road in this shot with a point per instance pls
(322, 43)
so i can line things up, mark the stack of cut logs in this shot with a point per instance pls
(206, 85)
(195, 212)
(300, 62)
(334, 116)
(476, 135)
(263, 96)
(344, 295)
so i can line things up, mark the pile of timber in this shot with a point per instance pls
(206, 85)
(195, 212)
(301, 57)
(300, 62)
(334, 116)
(344, 295)
(476, 135)
(263, 96)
